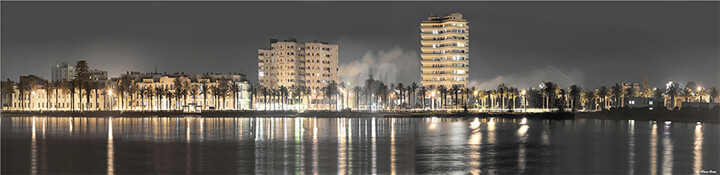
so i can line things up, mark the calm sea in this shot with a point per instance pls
(180, 145)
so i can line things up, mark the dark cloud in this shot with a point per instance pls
(588, 43)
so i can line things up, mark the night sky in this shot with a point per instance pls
(518, 43)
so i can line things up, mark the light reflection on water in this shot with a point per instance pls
(120, 145)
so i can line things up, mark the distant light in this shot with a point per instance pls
(523, 121)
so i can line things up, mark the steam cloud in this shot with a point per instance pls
(390, 66)
(533, 78)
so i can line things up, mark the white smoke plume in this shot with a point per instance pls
(533, 78)
(390, 66)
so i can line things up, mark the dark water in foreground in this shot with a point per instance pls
(180, 145)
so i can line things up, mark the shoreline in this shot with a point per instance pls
(615, 114)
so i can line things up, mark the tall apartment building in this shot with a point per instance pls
(290, 63)
(62, 72)
(445, 54)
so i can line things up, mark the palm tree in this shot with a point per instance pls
(658, 94)
(617, 92)
(392, 93)
(513, 95)
(549, 89)
(357, 90)
(204, 91)
(235, 89)
(295, 94)
(170, 97)
(254, 91)
(502, 89)
(687, 93)
(423, 91)
(123, 88)
(413, 88)
(224, 87)
(71, 85)
(308, 92)
(575, 91)
(591, 96)
(194, 92)
(713, 94)
(283, 96)
(147, 92)
(562, 96)
(455, 89)
(443, 96)
(159, 92)
(481, 95)
(629, 92)
(82, 76)
(97, 86)
(48, 90)
(143, 92)
(58, 86)
(88, 87)
(7, 91)
(673, 92)
(401, 89)
(603, 94)
(22, 88)
(330, 90)
(701, 92)
(265, 92)
(134, 90)
(178, 87)
(382, 93)
(216, 92)
(185, 90)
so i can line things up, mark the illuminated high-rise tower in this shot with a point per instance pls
(445, 51)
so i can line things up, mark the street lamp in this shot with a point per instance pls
(525, 100)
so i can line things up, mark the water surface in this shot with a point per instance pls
(179, 145)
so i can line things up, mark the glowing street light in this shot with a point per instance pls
(525, 100)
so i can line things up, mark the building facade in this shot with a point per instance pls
(62, 72)
(155, 91)
(149, 92)
(288, 63)
(445, 54)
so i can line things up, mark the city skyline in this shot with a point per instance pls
(616, 49)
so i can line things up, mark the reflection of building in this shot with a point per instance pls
(290, 63)
(445, 51)
(62, 72)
